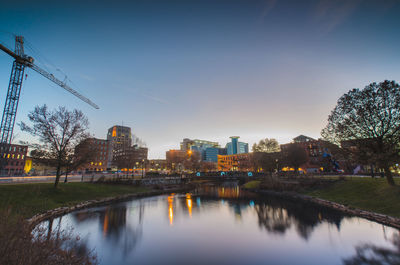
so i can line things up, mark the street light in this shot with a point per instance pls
(142, 168)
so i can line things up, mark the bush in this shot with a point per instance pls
(20, 245)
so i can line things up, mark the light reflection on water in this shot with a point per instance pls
(222, 225)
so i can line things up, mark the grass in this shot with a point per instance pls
(254, 184)
(29, 199)
(364, 193)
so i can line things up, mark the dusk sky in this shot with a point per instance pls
(202, 69)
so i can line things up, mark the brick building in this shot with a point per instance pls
(98, 151)
(319, 154)
(12, 160)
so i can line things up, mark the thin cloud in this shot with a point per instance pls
(331, 14)
(156, 99)
(269, 5)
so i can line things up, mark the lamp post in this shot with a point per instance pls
(142, 168)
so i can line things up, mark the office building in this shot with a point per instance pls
(211, 154)
(236, 147)
(119, 138)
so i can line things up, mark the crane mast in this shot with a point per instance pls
(13, 93)
(15, 84)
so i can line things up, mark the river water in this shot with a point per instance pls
(223, 225)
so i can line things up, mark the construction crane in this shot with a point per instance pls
(14, 88)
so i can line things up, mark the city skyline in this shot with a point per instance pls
(203, 70)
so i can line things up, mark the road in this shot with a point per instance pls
(45, 179)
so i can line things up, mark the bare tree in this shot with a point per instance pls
(58, 131)
(369, 120)
(268, 145)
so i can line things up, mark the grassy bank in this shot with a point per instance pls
(254, 184)
(29, 199)
(364, 193)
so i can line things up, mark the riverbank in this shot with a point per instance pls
(363, 193)
(27, 200)
(369, 198)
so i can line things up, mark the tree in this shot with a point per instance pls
(193, 161)
(267, 162)
(59, 131)
(268, 145)
(83, 154)
(369, 120)
(207, 166)
(295, 156)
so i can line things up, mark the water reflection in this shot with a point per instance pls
(277, 215)
(189, 203)
(369, 254)
(171, 209)
(222, 224)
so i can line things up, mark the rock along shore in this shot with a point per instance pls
(38, 218)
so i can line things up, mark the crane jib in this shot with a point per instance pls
(15, 84)
(62, 84)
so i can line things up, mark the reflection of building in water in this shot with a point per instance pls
(113, 220)
(123, 232)
(189, 203)
(171, 209)
(227, 192)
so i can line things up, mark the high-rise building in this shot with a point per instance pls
(235, 147)
(119, 138)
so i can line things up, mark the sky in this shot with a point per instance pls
(201, 69)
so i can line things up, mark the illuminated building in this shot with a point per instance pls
(12, 160)
(157, 165)
(28, 165)
(119, 139)
(237, 162)
(197, 144)
(200, 146)
(318, 154)
(175, 159)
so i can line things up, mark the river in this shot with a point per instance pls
(224, 225)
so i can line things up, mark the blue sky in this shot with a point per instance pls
(202, 69)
